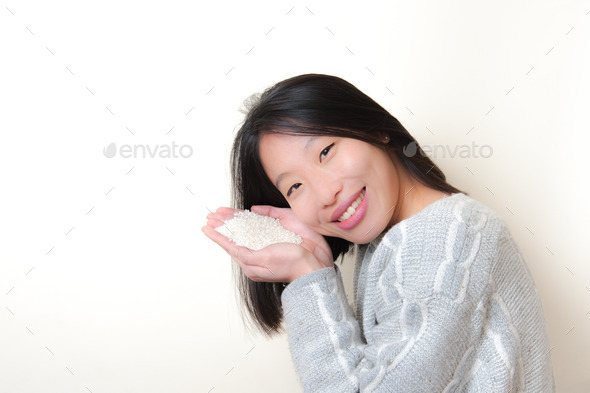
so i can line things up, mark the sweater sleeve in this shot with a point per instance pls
(408, 355)
(421, 340)
(324, 336)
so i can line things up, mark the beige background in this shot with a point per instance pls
(107, 283)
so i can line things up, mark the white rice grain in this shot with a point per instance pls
(255, 231)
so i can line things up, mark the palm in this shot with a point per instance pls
(276, 262)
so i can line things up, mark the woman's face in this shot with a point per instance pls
(321, 177)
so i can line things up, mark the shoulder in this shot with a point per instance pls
(449, 241)
(450, 219)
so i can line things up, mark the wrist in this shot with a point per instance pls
(309, 266)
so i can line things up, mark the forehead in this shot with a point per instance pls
(281, 152)
(288, 141)
(284, 148)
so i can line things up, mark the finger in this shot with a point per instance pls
(264, 274)
(222, 214)
(271, 211)
(227, 210)
(214, 223)
(260, 273)
(218, 238)
(235, 251)
(245, 257)
(215, 216)
(264, 257)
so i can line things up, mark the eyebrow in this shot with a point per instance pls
(306, 148)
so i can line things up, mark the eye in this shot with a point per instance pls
(296, 185)
(325, 151)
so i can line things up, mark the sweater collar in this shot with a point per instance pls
(427, 209)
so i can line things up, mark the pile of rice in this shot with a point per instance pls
(255, 231)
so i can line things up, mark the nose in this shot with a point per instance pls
(328, 191)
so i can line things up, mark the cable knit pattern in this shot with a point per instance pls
(444, 303)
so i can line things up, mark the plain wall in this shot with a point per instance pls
(107, 283)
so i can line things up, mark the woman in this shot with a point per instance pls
(444, 301)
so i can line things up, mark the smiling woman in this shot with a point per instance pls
(444, 300)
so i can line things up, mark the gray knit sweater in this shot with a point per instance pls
(444, 303)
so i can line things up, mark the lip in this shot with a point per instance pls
(344, 206)
(356, 217)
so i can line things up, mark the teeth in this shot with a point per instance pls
(352, 208)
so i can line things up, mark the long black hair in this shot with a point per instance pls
(310, 104)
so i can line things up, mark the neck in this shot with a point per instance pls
(413, 197)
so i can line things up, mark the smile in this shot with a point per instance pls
(354, 213)
(352, 208)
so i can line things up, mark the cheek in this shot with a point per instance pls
(303, 211)
(351, 162)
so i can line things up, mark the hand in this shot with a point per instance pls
(281, 262)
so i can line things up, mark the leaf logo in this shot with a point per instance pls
(411, 149)
(110, 150)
